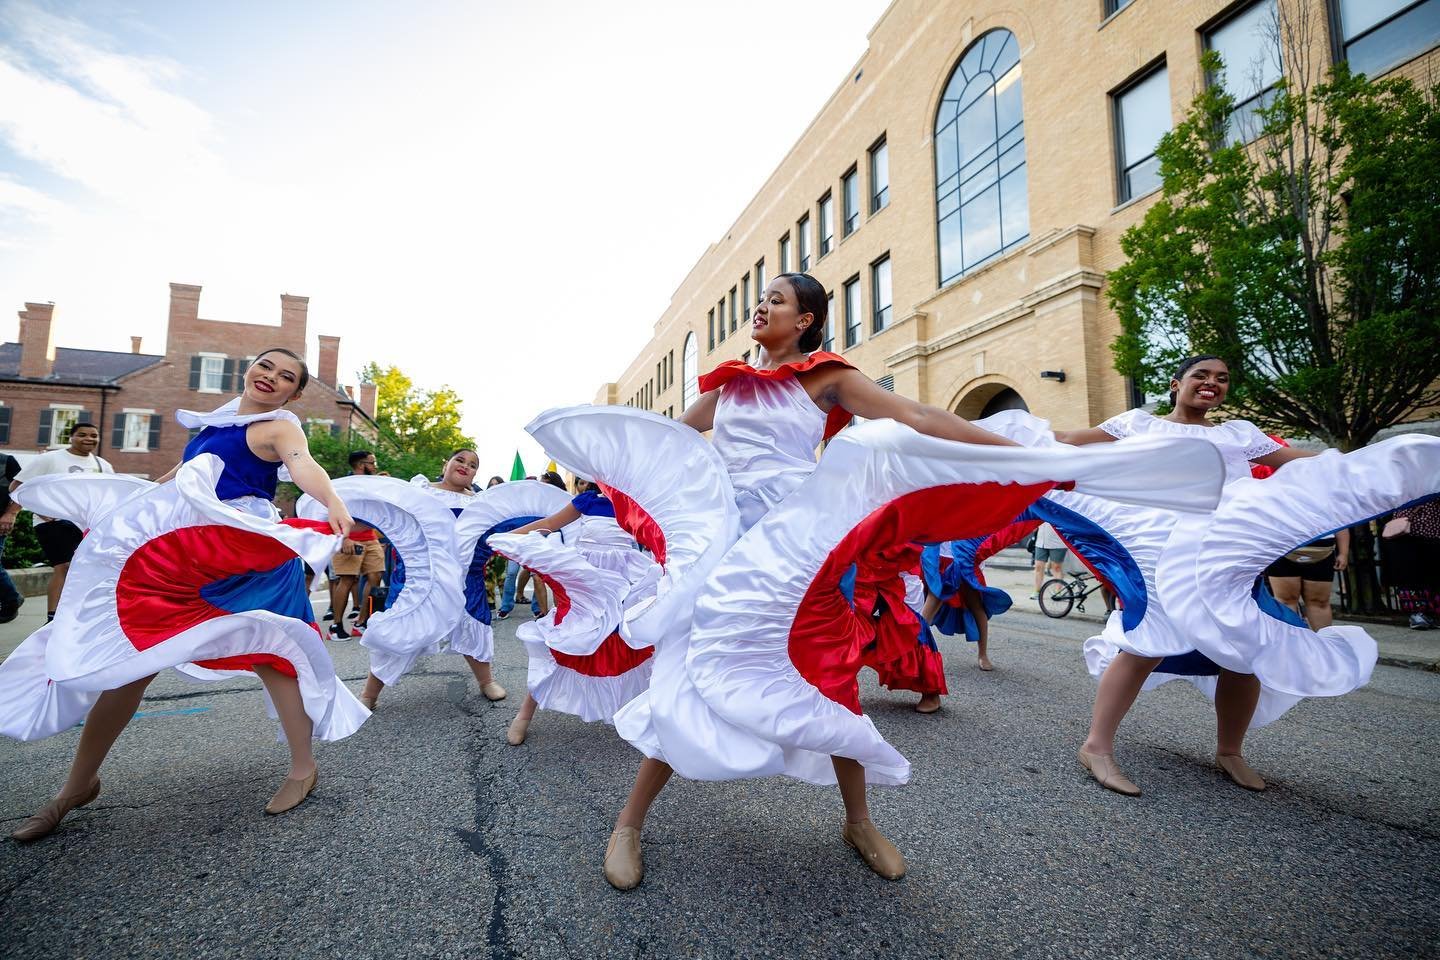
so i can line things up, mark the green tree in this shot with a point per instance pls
(1308, 258)
(422, 426)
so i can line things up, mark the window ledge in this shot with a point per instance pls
(1134, 200)
(1106, 22)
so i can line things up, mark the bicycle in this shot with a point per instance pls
(1058, 596)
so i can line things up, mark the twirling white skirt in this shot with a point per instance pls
(139, 598)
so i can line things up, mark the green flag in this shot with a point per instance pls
(517, 471)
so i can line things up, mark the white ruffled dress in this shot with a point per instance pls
(169, 575)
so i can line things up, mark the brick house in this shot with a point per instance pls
(132, 397)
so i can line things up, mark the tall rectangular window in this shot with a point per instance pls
(850, 193)
(745, 295)
(852, 311)
(1378, 35)
(1115, 6)
(1142, 117)
(828, 344)
(879, 176)
(720, 315)
(802, 235)
(710, 322)
(759, 278)
(61, 421)
(1249, 48)
(212, 374)
(785, 254)
(734, 312)
(827, 223)
(880, 297)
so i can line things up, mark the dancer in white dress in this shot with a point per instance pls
(193, 572)
(471, 636)
(757, 647)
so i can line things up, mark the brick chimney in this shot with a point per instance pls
(367, 399)
(293, 312)
(184, 317)
(329, 369)
(37, 341)
(135, 344)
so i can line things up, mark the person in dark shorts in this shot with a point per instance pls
(60, 538)
(1308, 573)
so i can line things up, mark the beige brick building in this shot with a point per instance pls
(963, 192)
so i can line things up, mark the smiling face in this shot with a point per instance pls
(1203, 386)
(273, 380)
(778, 321)
(460, 469)
(84, 441)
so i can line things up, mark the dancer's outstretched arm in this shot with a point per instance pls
(857, 393)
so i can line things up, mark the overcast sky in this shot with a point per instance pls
(496, 196)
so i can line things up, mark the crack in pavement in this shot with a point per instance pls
(497, 865)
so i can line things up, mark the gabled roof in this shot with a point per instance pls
(81, 366)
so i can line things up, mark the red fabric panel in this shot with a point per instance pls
(157, 594)
(633, 519)
(613, 658)
(249, 661)
(300, 523)
(838, 418)
(1006, 536)
(827, 637)
(894, 650)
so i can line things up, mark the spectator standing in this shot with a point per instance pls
(60, 538)
(360, 555)
(1411, 543)
(1049, 556)
(10, 599)
(1308, 573)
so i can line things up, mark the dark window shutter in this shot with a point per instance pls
(117, 434)
(155, 420)
(194, 373)
(47, 418)
(5, 413)
(227, 379)
(334, 429)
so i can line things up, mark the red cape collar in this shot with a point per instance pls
(838, 419)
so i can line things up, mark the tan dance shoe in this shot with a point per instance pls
(1238, 770)
(493, 691)
(292, 793)
(1103, 768)
(515, 733)
(928, 705)
(878, 853)
(43, 824)
(623, 866)
(368, 702)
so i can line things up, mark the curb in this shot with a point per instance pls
(1411, 663)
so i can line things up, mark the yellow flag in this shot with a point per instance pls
(552, 467)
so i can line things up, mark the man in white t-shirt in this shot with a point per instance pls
(1049, 556)
(59, 538)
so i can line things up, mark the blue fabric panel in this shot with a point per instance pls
(1192, 664)
(593, 503)
(1102, 551)
(847, 584)
(245, 475)
(281, 591)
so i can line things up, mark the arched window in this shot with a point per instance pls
(981, 205)
(690, 370)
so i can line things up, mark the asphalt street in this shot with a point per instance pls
(429, 836)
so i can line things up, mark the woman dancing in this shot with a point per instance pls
(472, 636)
(252, 438)
(604, 572)
(768, 422)
(1199, 386)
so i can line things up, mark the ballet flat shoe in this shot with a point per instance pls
(515, 733)
(1239, 771)
(493, 691)
(292, 793)
(623, 866)
(878, 853)
(1103, 768)
(44, 823)
(919, 708)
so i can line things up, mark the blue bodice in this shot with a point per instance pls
(245, 474)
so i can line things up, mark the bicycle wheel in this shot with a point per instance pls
(1056, 598)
